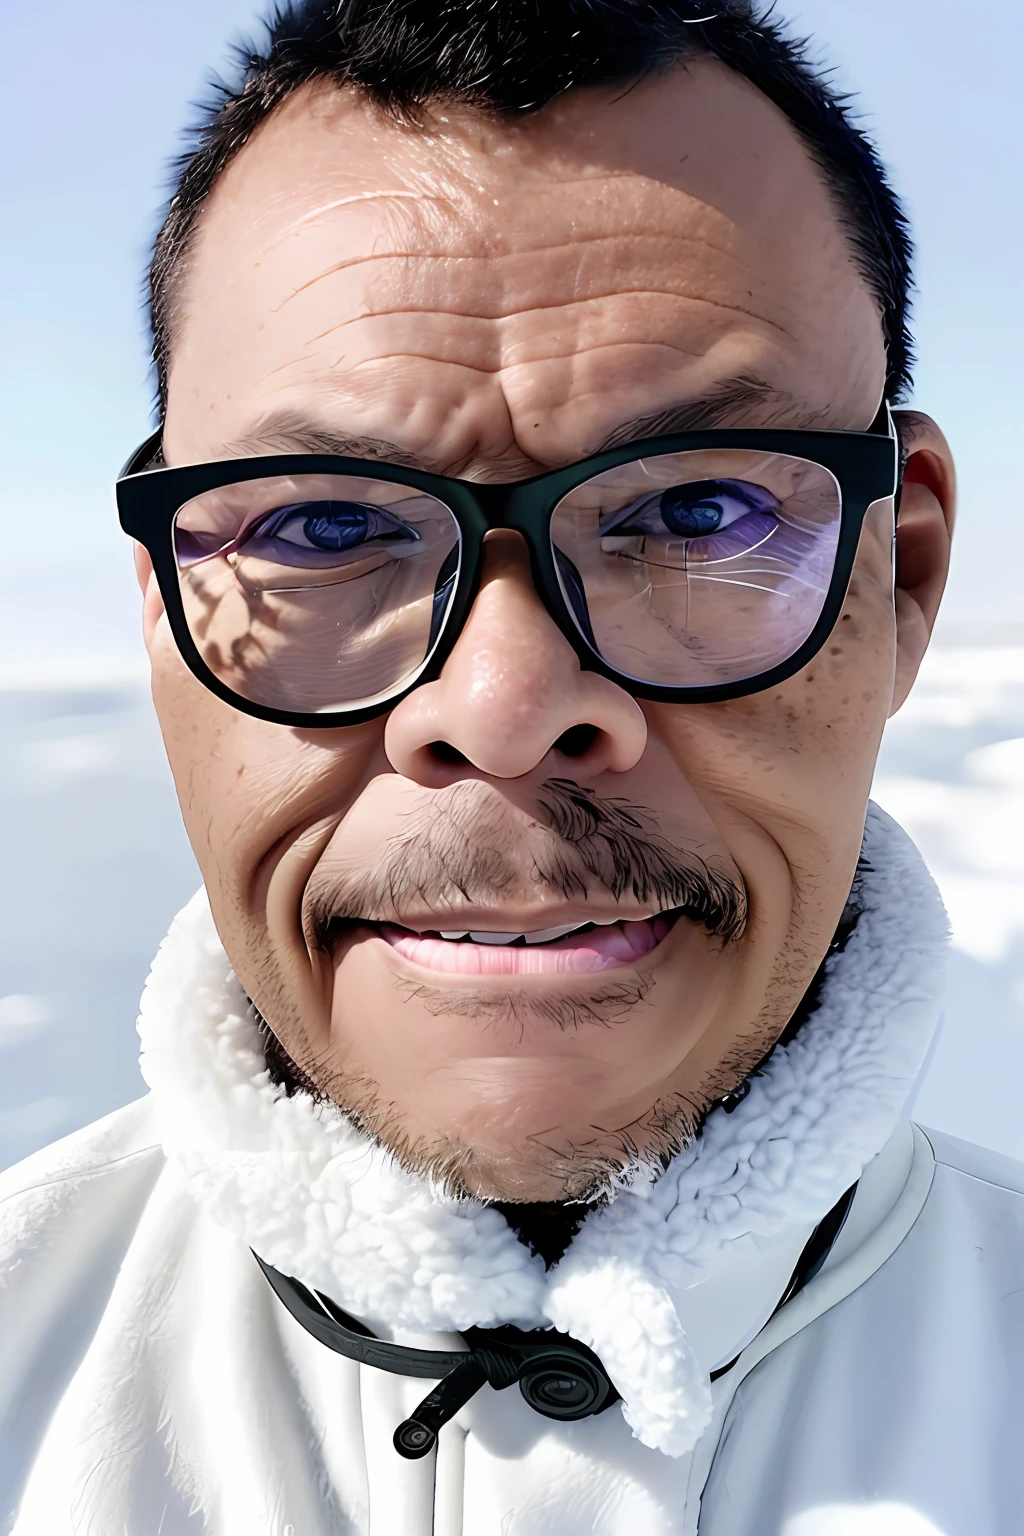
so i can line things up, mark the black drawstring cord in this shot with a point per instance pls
(418, 1434)
(558, 1376)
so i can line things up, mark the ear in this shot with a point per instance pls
(924, 530)
(152, 602)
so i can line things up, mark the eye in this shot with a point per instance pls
(316, 531)
(692, 510)
(334, 525)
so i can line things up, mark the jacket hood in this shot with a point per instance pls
(318, 1200)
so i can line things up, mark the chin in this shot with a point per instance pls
(517, 1143)
(522, 1174)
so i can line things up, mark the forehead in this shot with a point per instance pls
(475, 290)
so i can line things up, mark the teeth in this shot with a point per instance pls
(541, 936)
(545, 935)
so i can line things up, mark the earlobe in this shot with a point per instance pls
(152, 602)
(923, 534)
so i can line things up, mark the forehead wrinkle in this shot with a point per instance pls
(492, 262)
(567, 309)
(289, 430)
(336, 382)
(464, 186)
(475, 235)
(436, 211)
(387, 195)
(660, 240)
(503, 367)
(531, 367)
(737, 402)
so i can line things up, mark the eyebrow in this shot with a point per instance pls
(732, 403)
(289, 432)
(740, 402)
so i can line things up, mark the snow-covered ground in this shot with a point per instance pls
(94, 863)
(952, 772)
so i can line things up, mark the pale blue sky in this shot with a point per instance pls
(93, 97)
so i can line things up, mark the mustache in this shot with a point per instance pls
(467, 846)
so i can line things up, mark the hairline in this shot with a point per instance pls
(868, 216)
(173, 289)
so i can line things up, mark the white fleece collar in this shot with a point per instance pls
(317, 1200)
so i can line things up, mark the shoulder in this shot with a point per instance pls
(968, 1240)
(87, 1254)
(900, 1387)
(102, 1147)
(953, 1156)
(103, 1173)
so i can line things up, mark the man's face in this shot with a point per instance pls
(488, 301)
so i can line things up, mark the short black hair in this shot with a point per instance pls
(509, 58)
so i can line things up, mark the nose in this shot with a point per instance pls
(512, 696)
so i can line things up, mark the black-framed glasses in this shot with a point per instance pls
(315, 590)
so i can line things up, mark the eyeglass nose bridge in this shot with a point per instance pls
(522, 506)
(525, 507)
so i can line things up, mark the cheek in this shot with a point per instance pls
(259, 802)
(802, 752)
(207, 758)
(244, 787)
(846, 692)
(786, 774)
(809, 746)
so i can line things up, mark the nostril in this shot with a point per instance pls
(444, 752)
(577, 740)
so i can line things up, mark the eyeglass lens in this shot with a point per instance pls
(320, 593)
(314, 593)
(701, 568)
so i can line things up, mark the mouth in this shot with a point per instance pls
(572, 949)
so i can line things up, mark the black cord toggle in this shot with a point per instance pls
(417, 1435)
(558, 1376)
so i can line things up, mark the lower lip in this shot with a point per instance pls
(601, 949)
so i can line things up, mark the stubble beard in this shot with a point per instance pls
(582, 1168)
(457, 847)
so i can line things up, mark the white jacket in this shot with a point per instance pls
(151, 1384)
